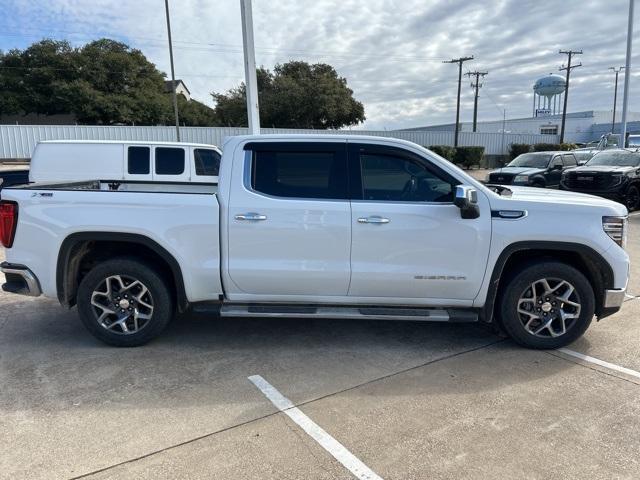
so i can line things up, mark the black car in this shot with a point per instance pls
(535, 169)
(13, 177)
(614, 174)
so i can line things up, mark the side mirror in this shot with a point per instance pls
(557, 167)
(466, 200)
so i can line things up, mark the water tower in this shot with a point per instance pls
(547, 95)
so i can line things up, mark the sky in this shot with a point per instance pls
(390, 51)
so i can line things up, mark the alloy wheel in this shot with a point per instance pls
(549, 307)
(122, 304)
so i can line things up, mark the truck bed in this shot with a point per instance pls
(128, 186)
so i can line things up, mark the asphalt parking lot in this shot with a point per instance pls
(408, 400)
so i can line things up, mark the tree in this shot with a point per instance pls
(103, 82)
(295, 95)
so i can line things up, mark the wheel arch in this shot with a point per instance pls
(584, 258)
(81, 249)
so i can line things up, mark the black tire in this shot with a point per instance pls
(538, 184)
(632, 200)
(521, 327)
(143, 323)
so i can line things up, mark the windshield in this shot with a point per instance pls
(533, 160)
(617, 158)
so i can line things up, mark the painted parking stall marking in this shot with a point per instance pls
(602, 363)
(326, 441)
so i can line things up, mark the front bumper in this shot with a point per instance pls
(20, 280)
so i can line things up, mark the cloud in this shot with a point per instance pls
(390, 51)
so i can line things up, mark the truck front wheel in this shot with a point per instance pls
(124, 302)
(547, 305)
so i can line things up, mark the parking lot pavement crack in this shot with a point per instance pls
(305, 442)
(277, 412)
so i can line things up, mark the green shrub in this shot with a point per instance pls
(467, 157)
(516, 149)
(445, 151)
(568, 146)
(546, 147)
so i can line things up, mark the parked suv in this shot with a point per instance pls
(535, 169)
(613, 174)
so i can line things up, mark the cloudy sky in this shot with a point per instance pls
(390, 51)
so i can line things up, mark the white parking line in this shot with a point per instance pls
(326, 441)
(634, 214)
(602, 363)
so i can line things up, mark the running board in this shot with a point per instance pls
(369, 313)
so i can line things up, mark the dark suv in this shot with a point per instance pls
(535, 169)
(613, 174)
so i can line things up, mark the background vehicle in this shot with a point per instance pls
(607, 141)
(78, 160)
(13, 177)
(633, 141)
(318, 226)
(536, 169)
(613, 174)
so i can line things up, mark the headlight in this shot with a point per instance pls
(521, 178)
(616, 228)
(487, 178)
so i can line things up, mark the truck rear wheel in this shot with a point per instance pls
(124, 302)
(547, 305)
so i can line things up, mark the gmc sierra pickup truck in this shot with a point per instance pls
(324, 226)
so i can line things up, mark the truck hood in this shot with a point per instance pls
(532, 196)
(518, 170)
(602, 168)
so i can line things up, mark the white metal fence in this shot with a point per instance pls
(18, 141)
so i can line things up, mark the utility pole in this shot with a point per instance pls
(251, 80)
(568, 68)
(615, 97)
(173, 74)
(627, 76)
(477, 85)
(459, 61)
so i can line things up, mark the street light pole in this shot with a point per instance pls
(251, 79)
(173, 74)
(615, 97)
(627, 76)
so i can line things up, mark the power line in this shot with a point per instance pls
(459, 61)
(476, 85)
(568, 68)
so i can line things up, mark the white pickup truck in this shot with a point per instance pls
(318, 226)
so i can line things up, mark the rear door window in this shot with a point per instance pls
(569, 160)
(300, 174)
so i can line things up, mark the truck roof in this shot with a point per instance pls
(128, 142)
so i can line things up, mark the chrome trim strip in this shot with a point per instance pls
(33, 287)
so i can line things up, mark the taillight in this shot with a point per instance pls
(8, 222)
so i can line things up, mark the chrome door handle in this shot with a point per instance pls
(373, 219)
(251, 216)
